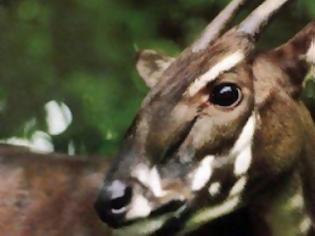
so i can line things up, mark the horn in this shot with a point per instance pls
(218, 24)
(253, 24)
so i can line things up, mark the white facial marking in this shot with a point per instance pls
(224, 65)
(144, 227)
(155, 183)
(305, 225)
(243, 161)
(238, 187)
(149, 178)
(242, 147)
(140, 172)
(310, 55)
(230, 204)
(139, 207)
(203, 173)
(214, 189)
(296, 202)
(214, 212)
(246, 135)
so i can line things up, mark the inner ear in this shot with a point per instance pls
(151, 65)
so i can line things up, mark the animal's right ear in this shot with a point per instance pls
(295, 58)
(286, 65)
(151, 65)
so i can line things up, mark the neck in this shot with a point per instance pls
(282, 211)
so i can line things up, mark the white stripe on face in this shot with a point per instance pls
(243, 161)
(149, 178)
(242, 147)
(224, 65)
(238, 187)
(203, 173)
(310, 55)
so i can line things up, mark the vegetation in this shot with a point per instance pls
(82, 53)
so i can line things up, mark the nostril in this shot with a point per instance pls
(113, 201)
(120, 197)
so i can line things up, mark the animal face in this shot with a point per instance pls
(197, 148)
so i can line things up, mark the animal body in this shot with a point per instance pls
(49, 195)
(222, 143)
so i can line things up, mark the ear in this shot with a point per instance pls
(151, 65)
(296, 57)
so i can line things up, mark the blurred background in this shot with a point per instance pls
(67, 76)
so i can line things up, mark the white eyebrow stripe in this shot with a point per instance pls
(224, 65)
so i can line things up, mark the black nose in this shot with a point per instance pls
(112, 202)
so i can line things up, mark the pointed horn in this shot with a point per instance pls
(215, 28)
(253, 24)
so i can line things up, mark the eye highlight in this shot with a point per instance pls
(225, 95)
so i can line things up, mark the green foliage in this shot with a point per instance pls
(83, 53)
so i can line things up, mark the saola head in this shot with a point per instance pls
(201, 144)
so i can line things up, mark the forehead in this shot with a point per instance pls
(191, 72)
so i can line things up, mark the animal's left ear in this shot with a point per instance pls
(151, 65)
(295, 57)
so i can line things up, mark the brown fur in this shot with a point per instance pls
(49, 195)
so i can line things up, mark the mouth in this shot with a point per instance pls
(162, 221)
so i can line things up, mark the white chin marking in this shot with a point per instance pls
(149, 178)
(224, 65)
(214, 212)
(143, 228)
(242, 147)
(214, 189)
(140, 207)
(203, 173)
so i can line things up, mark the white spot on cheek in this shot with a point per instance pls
(214, 189)
(140, 207)
(203, 173)
(149, 178)
(224, 65)
(242, 147)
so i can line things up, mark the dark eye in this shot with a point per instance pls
(225, 95)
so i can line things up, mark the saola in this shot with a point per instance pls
(222, 130)
(50, 194)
